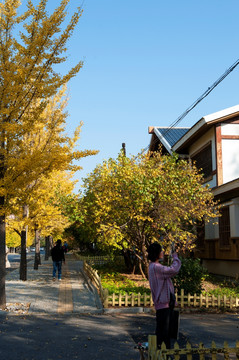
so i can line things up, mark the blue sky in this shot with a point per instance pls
(145, 62)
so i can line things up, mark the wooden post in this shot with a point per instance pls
(120, 300)
(195, 300)
(214, 351)
(189, 351)
(224, 301)
(182, 298)
(152, 340)
(206, 300)
(106, 298)
(237, 349)
(139, 299)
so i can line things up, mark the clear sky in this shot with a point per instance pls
(145, 62)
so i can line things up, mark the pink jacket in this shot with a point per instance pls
(160, 281)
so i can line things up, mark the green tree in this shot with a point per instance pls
(134, 201)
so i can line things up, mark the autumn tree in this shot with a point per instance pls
(136, 200)
(28, 80)
(46, 148)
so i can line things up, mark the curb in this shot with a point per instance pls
(129, 310)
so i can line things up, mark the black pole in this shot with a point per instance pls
(124, 149)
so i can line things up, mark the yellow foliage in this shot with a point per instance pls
(139, 199)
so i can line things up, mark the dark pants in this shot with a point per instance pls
(57, 266)
(163, 326)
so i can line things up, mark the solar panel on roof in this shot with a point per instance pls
(172, 135)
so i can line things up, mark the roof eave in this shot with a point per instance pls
(205, 122)
(163, 141)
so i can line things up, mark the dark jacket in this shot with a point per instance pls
(57, 253)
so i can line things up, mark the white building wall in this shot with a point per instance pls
(230, 129)
(230, 159)
(230, 153)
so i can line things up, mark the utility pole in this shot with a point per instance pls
(124, 149)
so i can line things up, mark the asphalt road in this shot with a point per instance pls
(103, 337)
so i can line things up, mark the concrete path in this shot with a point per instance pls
(74, 294)
(65, 319)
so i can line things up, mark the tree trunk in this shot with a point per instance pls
(144, 258)
(2, 259)
(2, 230)
(130, 260)
(51, 243)
(141, 270)
(47, 247)
(23, 261)
(37, 250)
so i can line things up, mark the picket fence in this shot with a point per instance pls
(98, 260)
(195, 301)
(189, 351)
(145, 300)
(96, 280)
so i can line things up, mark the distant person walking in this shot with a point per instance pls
(162, 290)
(57, 254)
(65, 247)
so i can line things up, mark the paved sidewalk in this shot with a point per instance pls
(65, 319)
(74, 294)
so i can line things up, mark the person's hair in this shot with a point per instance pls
(154, 251)
(58, 242)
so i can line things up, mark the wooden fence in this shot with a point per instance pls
(98, 260)
(189, 351)
(96, 280)
(145, 300)
(195, 301)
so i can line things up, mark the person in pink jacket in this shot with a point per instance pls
(161, 286)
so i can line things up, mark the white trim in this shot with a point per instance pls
(205, 120)
(232, 185)
(221, 113)
(163, 140)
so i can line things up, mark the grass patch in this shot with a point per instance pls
(220, 285)
(113, 277)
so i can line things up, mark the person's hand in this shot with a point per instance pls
(172, 248)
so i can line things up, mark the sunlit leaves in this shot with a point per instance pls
(145, 198)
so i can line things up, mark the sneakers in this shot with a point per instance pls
(59, 279)
(54, 279)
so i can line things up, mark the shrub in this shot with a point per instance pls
(190, 277)
(113, 279)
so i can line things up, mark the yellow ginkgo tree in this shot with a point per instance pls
(44, 150)
(133, 201)
(32, 45)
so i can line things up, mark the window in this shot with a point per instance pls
(203, 160)
(224, 227)
(201, 234)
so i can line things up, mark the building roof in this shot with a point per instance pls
(204, 124)
(169, 136)
(175, 139)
